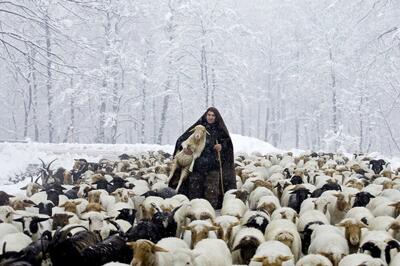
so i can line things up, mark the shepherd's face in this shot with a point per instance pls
(210, 117)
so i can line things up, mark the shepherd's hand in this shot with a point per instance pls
(217, 147)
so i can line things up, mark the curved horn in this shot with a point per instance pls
(48, 166)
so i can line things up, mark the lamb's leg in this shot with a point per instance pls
(184, 174)
(195, 156)
(174, 166)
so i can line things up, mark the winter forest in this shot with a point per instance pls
(306, 74)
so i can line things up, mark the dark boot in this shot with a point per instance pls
(212, 189)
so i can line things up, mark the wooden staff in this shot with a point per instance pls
(220, 170)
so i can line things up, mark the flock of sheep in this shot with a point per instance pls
(307, 210)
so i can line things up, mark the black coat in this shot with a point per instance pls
(208, 160)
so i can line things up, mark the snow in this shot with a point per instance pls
(15, 157)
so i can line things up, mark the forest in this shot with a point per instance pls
(304, 74)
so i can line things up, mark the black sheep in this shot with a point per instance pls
(4, 198)
(297, 196)
(362, 199)
(377, 165)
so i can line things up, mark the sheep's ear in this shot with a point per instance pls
(193, 129)
(258, 259)
(62, 205)
(185, 227)
(207, 133)
(213, 228)
(156, 248)
(77, 203)
(344, 224)
(362, 225)
(24, 188)
(284, 258)
(132, 245)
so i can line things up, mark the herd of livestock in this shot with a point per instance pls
(307, 210)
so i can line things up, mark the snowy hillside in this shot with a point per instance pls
(15, 157)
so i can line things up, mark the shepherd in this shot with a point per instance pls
(213, 172)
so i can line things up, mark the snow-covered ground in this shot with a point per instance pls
(15, 157)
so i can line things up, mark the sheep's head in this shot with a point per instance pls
(60, 220)
(396, 208)
(224, 232)
(334, 258)
(199, 132)
(94, 207)
(341, 203)
(262, 183)
(199, 231)
(144, 252)
(266, 261)
(70, 206)
(286, 238)
(32, 188)
(352, 230)
(267, 207)
(94, 196)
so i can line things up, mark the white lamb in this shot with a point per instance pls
(193, 146)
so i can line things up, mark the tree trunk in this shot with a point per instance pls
(334, 99)
(154, 121)
(180, 102)
(164, 111)
(49, 83)
(104, 89)
(214, 86)
(34, 97)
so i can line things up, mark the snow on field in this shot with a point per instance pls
(15, 157)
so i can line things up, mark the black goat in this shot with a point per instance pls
(144, 230)
(65, 249)
(127, 215)
(113, 248)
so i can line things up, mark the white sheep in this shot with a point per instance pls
(330, 243)
(361, 259)
(272, 253)
(233, 207)
(256, 194)
(244, 244)
(314, 260)
(286, 232)
(227, 227)
(14, 242)
(212, 252)
(198, 230)
(361, 214)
